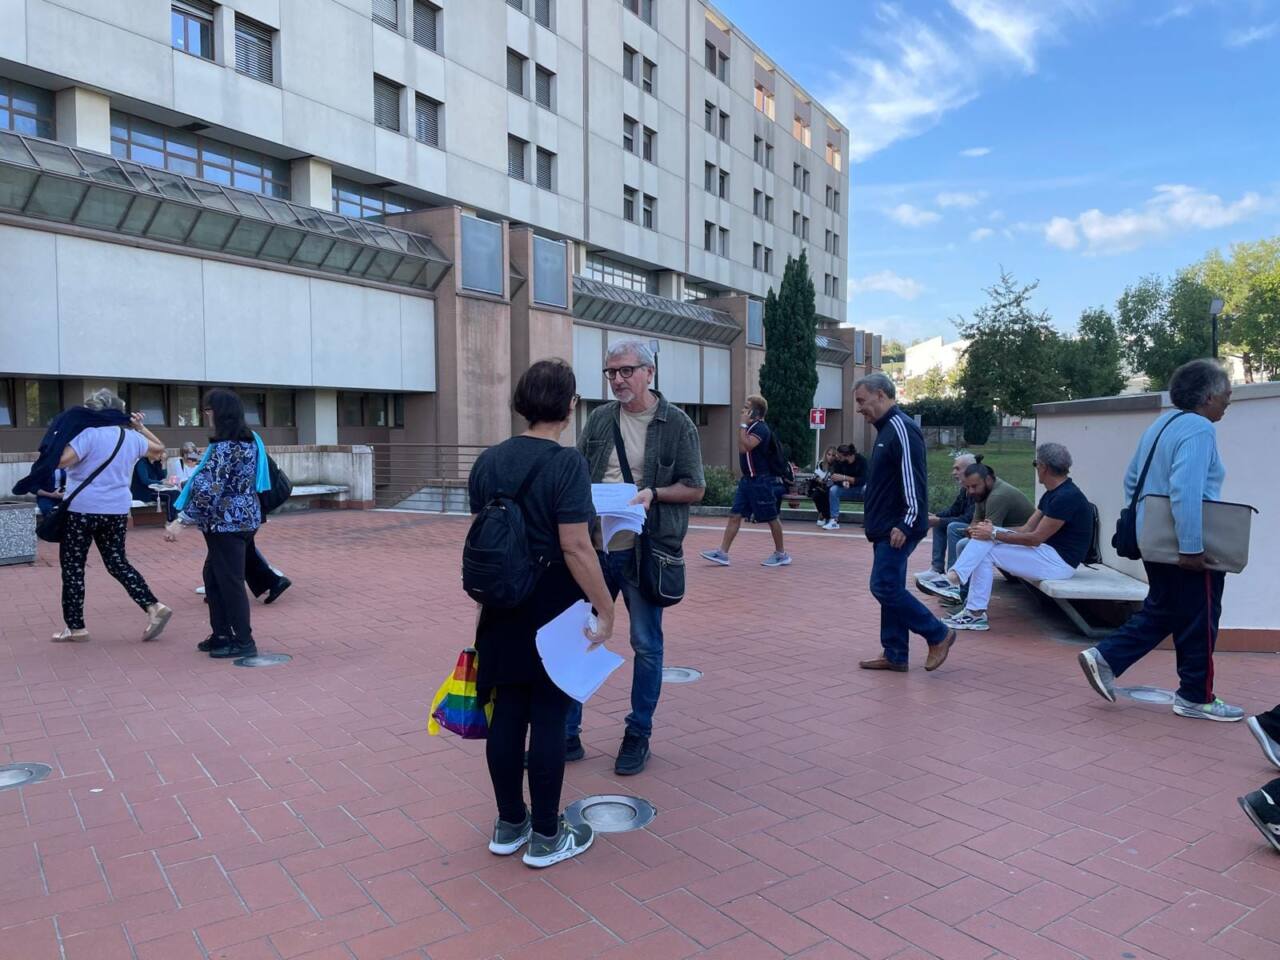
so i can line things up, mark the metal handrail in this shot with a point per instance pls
(403, 470)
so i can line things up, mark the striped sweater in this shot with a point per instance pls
(1186, 469)
(897, 493)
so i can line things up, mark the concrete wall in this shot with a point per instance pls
(88, 308)
(1102, 435)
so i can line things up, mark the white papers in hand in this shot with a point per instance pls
(567, 655)
(613, 503)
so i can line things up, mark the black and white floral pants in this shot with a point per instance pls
(107, 530)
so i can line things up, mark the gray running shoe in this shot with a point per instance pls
(1269, 747)
(1217, 710)
(716, 556)
(571, 840)
(779, 558)
(940, 587)
(967, 620)
(1098, 672)
(510, 837)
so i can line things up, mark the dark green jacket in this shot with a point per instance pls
(672, 454)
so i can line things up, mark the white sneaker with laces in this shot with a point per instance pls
(776, 559)
(831, 525)
(967, 620)
(1217, 710)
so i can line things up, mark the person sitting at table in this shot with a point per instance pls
(186, 464)
(149, 470)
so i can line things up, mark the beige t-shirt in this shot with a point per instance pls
(635, 428)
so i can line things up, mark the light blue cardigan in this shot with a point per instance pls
(263, 481)
(1186, 469)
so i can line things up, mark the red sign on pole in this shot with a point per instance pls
(817, 418)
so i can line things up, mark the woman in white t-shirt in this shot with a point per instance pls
(100, 514)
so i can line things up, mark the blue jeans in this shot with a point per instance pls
(946, 538)
(901, 614)
(840, 492)
(646, 641)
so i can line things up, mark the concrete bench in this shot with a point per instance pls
(1095, 583)
(304, 493)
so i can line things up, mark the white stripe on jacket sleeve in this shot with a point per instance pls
(909, 492)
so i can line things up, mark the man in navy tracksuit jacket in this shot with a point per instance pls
(896, 519)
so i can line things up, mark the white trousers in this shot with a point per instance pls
(976, 567)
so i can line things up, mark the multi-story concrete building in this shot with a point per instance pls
(368, 215)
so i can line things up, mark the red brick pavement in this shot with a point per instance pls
(996, 808)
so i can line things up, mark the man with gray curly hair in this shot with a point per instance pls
(1049, 546)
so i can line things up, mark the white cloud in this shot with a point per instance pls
(982, 233)
(1176, 12)
(886, 281)
(911, 216)
(911, 71)
(957, 199)
(995, 216)
(1173, 209)
(1247, 36)
(975, 152)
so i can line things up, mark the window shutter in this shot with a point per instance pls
(384, 12)
(428, 121)
(515, 157)
(542, 91)
(426, 25)
(545, 160)
(515, 72)
(386, 104)
(253, 49)
(542, 12)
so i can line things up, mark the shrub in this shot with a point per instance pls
(978, 421)
(937, 411)
(720, 486)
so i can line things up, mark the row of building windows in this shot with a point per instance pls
(638, 69)
(831, 243)
(716, 181)
(715, 239)
(641, 8)
(639, 139)
(26, 110)
(715, 121)
(518, 79)
(762, 257)
(428, 114)
(762, 205)
(541, 11)
(830, 285)
(191, 31)
(717, 62)
(799, 225)
(427, 25)
(364, 202)
(602, 268)
(648, 212)
(762, 152)
(544, 172)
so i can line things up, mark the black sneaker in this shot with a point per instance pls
(1263, 809)
(632, 755)
(573, 749)
(210, 642)
(283, 584)
(231, 650)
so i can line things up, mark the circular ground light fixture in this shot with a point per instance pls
(612, 813)
(263, 660)
(21, 774)
(1146, 694)
(680, 674)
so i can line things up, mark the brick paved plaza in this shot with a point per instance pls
(996, 808)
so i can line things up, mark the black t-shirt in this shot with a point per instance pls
(1068, 504)
(855, 466)
(561, 493)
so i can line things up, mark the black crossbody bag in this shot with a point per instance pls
(1125, 539)
(53, 525)
(660, 574)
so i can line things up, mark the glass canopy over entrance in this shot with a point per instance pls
(608, 304)
(51, 181)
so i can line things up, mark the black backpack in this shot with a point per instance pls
(779, 465)
(1094, 556)
(498, 569)
(281, 488)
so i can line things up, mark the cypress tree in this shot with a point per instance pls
(789, 375)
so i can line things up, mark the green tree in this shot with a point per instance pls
(1012, 358)
(1248, 328)
(1163, 325)
(1090, 361)
(892, 351)
(789, 375)
(1256, 326)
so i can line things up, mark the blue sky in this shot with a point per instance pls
(1081, 143)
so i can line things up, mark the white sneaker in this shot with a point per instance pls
(822, 523)
(967, 620)
(776, 559)
(1270, 748)
(831, 525)
(1217, 710)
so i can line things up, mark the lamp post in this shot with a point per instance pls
(1215, 309)
(654, 345)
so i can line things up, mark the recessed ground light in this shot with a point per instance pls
(680, 674)
(21, 774)
(263, 660)
(1146, 694)
(612, 813)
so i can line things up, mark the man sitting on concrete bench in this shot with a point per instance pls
(1049, 546)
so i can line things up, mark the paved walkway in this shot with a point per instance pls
(996, 808)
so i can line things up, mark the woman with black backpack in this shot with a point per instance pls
(555, 509)
(221, 498)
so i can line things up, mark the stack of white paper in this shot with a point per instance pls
(567, 655)
(613, 503)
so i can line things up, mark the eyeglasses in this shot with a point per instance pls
(619, 373)
(1034, 464)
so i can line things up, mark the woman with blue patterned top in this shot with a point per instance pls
(221, 498)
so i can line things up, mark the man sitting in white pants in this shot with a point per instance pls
(1049, 546)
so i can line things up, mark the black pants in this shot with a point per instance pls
(107, 530)
(1184, 603)
(538, 709)
(224, 584)
(1270, 723)
(821, 499)
(258, 575)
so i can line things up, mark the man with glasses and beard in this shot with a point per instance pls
(664, 459)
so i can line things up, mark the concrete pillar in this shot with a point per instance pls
(311, 182)
(83, 119)
(317, 416)
(670, 284)
(224, 36)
